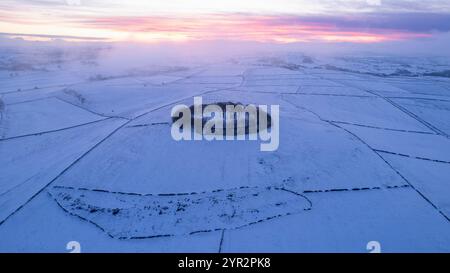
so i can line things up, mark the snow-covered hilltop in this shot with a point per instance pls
(86, 155)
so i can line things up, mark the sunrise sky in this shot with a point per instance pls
(278, 21)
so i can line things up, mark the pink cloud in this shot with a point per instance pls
(232, 26)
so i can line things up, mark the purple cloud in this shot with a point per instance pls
(409, 22)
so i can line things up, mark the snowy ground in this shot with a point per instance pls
(364, 156)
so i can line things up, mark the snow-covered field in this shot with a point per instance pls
(86, 155)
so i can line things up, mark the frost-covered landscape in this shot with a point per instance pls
(86, 153)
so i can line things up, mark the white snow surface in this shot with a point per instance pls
(86, 154)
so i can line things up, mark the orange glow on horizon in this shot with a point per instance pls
(257, 28)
